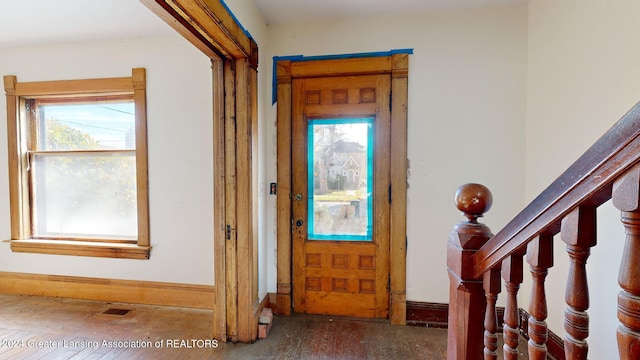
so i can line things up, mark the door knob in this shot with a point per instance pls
(299, 223)
(297, 197)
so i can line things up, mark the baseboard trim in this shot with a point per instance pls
(436, 315)
(272, 299)
(111, 290)
(555, 346)
(427, 314)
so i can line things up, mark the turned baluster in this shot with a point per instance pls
(540, 259)
(466, 295)
(626, 197)
(579, 233)
(491, 284)
(512, 276)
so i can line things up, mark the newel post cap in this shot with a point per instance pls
(473, 200)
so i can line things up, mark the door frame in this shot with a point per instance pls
(396, 64)
(213, 29)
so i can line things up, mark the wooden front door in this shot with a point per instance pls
(341, 195)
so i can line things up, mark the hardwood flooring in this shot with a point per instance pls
(34, 327)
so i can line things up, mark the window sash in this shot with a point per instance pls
(83, 195)
(83, 123)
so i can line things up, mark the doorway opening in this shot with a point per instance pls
(360, 265)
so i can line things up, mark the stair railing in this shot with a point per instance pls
(478, 261)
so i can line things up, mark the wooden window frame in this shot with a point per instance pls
(17, 94)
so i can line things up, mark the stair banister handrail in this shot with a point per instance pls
(589, 180)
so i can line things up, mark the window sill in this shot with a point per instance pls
(95, 249)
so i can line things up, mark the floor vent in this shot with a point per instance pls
(119, 312)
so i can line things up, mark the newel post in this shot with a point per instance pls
(466, 294)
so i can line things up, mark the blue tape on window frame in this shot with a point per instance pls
(274, 80)
(310, 186)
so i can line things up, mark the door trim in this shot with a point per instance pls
(213, 29)
(397, 65)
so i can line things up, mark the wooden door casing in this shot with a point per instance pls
(396, 64)
(347, 278)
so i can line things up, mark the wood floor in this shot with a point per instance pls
(53, 328)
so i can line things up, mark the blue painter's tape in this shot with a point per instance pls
(339, 237)
(274, 86)
(233, 16)
(345, 56)
(368, 236)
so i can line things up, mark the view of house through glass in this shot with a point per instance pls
(340, 179)
(83, 171)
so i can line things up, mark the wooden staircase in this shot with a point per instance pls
(478, 261)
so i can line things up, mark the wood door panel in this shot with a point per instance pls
(341, 304)
(291, 140)
(340, 110)
(346, 278)
(341, 269)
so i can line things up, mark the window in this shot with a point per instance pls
(336, 203)
(78, 166)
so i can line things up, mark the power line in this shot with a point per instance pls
(112, 109)
(91, 126)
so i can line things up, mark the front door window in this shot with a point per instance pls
(340, 179)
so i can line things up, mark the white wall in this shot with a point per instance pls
(180, 157)
(179, 93)
(466, 118)
(472, 69)
(583, 75)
